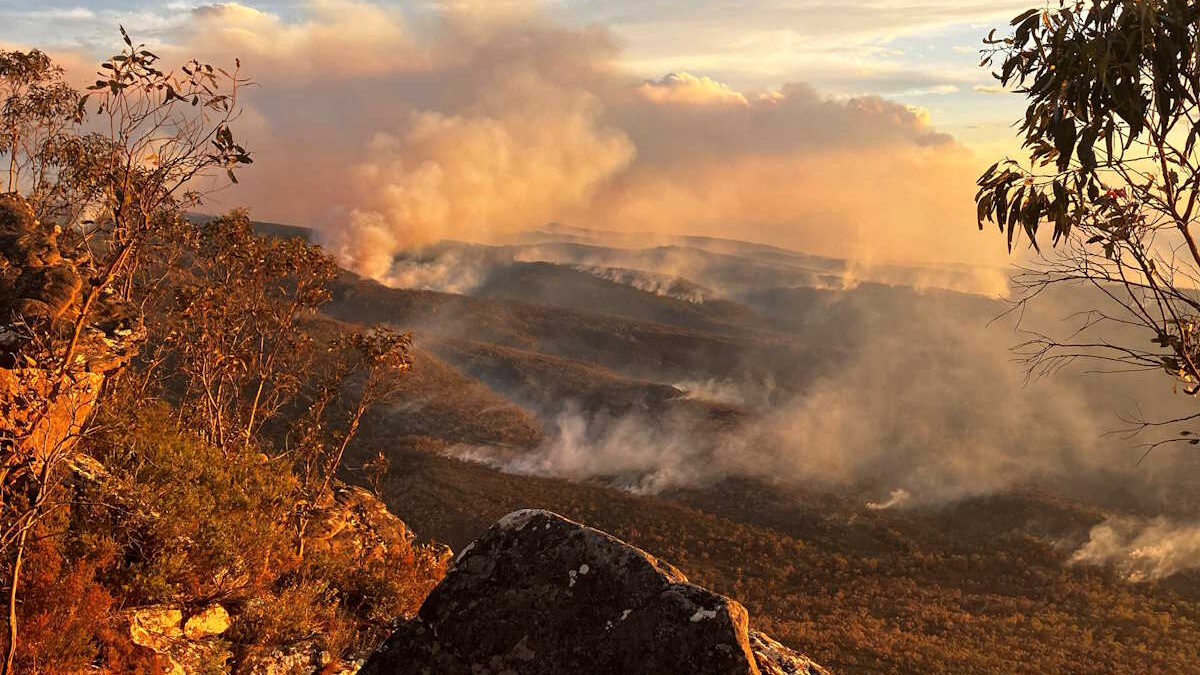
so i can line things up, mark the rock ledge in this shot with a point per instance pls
(538, 594)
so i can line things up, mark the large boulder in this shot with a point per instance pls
(539, 594)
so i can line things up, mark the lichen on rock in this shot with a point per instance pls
(351, 520)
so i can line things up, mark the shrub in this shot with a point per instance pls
(192, 524)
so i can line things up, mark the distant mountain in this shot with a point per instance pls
(689, 268)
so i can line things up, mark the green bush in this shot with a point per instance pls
(192, 524)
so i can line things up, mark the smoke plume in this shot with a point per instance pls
(386, 131)
(898, 497)
(1143, 550)
(921, 403)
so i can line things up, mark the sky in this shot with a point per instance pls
(843, 127)
(924, 53)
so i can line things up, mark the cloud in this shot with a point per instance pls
(335, 38)
(861, 178)
(92, 29)
(846, 45)
(62, 14)
(830, 21)
(687, 89)
(387, 130)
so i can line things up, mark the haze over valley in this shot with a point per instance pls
(782, 392)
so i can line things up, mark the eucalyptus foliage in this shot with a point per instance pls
(1110, 178)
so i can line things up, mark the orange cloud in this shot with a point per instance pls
(482, 120)
(688, 89)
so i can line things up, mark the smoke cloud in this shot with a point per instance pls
(664, 285)
(1143, 550)
(922, 405)
(387, 131)
(627, 451)
(898, 497)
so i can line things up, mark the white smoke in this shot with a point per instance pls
(663, 285)
(449, 271)
(1142, 550)
(465, 121)
(915, 394)
(898, 497)
(628, 452)
(727, 392)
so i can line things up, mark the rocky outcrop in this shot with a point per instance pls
(351, 520)
(304, 658)
(41, 291)
(539, 594)
(773, 658)
(42, 405)
(39, 282)
(182, 646)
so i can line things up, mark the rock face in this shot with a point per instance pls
(182, 647)
(352, 520)
(773, 658)
(40, 288)
(40, 283)
(539, 594)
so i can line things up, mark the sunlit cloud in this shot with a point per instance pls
(685, 88)
(391, 126)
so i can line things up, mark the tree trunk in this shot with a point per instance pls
(11, 652)
(12, 165)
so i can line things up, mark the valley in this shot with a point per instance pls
(654, 417)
